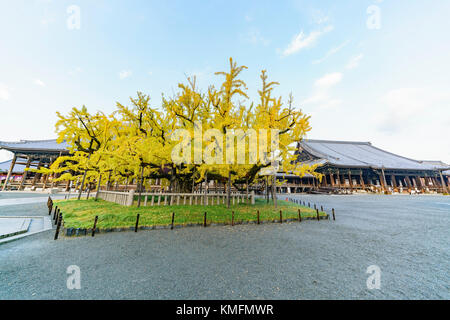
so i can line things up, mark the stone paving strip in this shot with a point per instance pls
(13, 228)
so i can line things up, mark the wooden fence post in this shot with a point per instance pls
(57, 217)
(299, 216)
(137, 223)
(258, 216)
(318, 216)
(95, 226)
(281, 216)
(204, 220)
(334, 217)
(232, 218)
(173, 218)
(58, 226)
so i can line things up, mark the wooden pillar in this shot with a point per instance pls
(339, 179)
(45, 182)
(25, 173)
(350, 181)
(393, 182)
(429, 182)
(36, 174)
(444, 185)
(11, 168)
(332, 179)
(408, 182)
(383, 180)
(362, 180)
(420, 185)
(324, 180)
(435, 182)
(413, 182)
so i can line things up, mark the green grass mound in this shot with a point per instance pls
(81, 213)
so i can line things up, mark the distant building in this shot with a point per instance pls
(346, 166)
(353, 166)
(29, 154)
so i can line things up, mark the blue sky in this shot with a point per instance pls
(388, 85)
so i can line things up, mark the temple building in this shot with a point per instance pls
(29, 154)
(346, 167)
(360, 166)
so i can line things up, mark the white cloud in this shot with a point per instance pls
(331, 52)
(39, 82)
(302, 41)
(254, 36)
(404, 108)
(354, 61)
(125, 74)
(321, 97)
(329, 80)
(4, 92)
(322, 100)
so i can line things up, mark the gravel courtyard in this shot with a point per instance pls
(407, 237)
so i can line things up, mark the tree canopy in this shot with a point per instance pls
(190, 135)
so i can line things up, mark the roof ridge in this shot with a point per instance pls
(397, 155)
(338, 141)
(27, 141)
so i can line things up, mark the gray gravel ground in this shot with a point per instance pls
(407, 237)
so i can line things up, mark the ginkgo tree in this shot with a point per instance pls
(191, 137)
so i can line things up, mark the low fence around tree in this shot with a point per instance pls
(160, 198)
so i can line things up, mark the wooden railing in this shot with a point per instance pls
(121, 198)
(159, 198)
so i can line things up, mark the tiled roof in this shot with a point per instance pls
(362, 155)
(35, 145)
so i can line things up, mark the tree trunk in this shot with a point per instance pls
(108, 185)
(246, 192)
(274, 190)
(228, 189)
(205, 202)
(140, 186)
(82, 184)
(98, 186)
